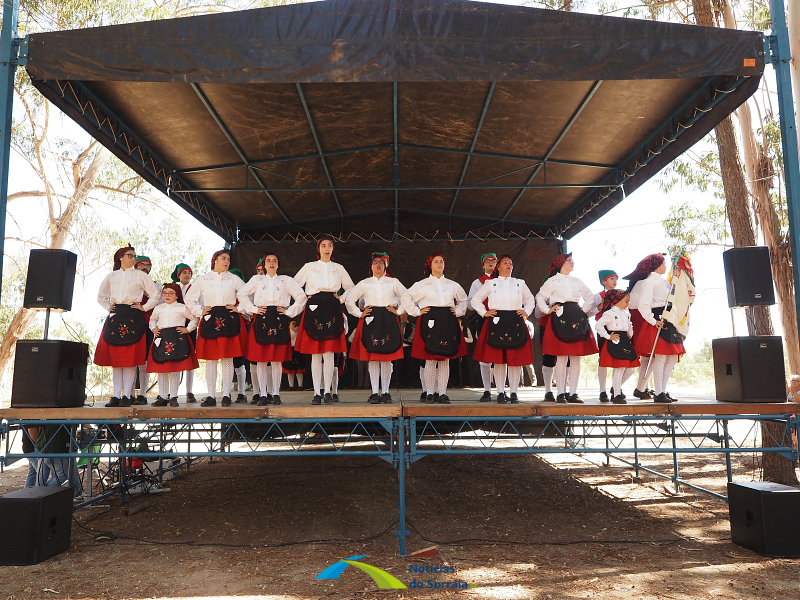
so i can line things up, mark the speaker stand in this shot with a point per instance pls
(46, 323)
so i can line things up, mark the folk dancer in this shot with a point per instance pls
(618, 353)
(488, 263)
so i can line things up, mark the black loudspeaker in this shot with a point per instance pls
(49, 374)
(764, 517)
(749, 369)
(748, 276)
(51, 279)
(35, 524)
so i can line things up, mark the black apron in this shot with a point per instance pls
(173, 347)
(509, 333)
(323, 319)
(573, 324)
(271, 328)
(668, 332)
(443, 338)
(622, 351)
(380, 331)
(125, 326)
(221, 323)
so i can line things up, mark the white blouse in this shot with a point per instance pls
(263, 290)
(614, 319)
(173, 315)
(648, 294)
(127, 286)
(185, 289)
(383, 291)
(320, 276)
(434, 291)
(217, 289)
(504, 293)
(598, 300)
(562, 288)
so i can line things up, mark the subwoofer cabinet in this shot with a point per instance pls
(49, 374)
(749, 369)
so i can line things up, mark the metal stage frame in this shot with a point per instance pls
(402, 440)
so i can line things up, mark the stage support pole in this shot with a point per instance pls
(778, 52)
(400, 454)
(635, 454)
(727, 444)
(9, 50)
(676, 475)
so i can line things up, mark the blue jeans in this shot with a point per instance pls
(53, 471)
(30, 480)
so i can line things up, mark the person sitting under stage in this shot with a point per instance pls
(618, 352)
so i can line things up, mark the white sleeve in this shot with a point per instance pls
(299, 298)
(596, 302)
(473, 289)
(479, 296)
(351, 297)
(244, 293)
(399, 289)
(543, 296)
(153, 297)
(104, 293)
(193, 321)
(646, 302)
(192, 298)
(600, 326)
(153, 324)
(588, 298)
(302, 275)
(461, 300)
(409, 302)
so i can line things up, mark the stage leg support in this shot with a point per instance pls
(676, 475)
(400, 457)
(727, 444)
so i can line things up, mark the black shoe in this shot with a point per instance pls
(619, 400)
(124, 402)
(501, 398)
(562, 398)
(436, 398)
(264, 400)
(276, 400)
(604, 396)
(226, 401)
(650, 393)
(256, 399)
(190, 399)
(335, 397)
(328, 399)
(173, 402)
(374, 399)
(386, 398)
(641, 395)
(423, 397)
(241, 399)
(549, 397)
(443, 399)
(575, 399)
(487, 397)
(113, 402)
(671, 399)
(316, 400)
(513, 399)
(662, 398)
(160, 401)
(430, 399)
(209, 401)
(140, 401)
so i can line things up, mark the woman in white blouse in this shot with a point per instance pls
(222, 334)
(321, 332)
(377, 339)
(437, 302)
(122, 344)
(569, 334)
(648, 298)
(614, 325)
(172, 351)
(269, 298)
(504, 338)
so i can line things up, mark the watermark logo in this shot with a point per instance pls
(382, 579)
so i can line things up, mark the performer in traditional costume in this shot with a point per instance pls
(608, 279)
(143, 263)
(505, 340)
(222, 334)
(172, 351)
(295, 368)
(618, 353)
(569, 334)
(438, 303)
(268, 298)
(122, 344)
(377, 339)
(648, 299)
(488, 263)
(321, 332)
(182, 275)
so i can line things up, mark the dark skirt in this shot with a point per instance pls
(297, 364)
(507, 331)
(171, 366)
(125, 326)
(621, 355)
(323, 319)
(378, 330)
(305, 343)
(518, 357)
(644, 335)
(572, 324)
(223, 347)
(221, 322)
(418, 349)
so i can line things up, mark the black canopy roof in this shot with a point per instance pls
(396, 119)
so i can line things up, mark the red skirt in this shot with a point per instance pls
(188, 364)
(134, 355)
(418, 346)
(606, 360)
(223, 347)
(358, 352)
(552, 345)
(261, 353)
(644, 337)
(513, 358)
(305, 345)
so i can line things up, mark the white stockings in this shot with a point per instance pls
(486, 376)
(618, 378)
(168, 384)
(322, 366)
(561, 373)
(227, 376)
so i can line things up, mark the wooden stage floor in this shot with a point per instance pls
(353, 405)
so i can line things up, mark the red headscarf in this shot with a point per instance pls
(611, 298)
(430, 261)
(646, 266)
(216, 255)
(118, 256)
(557, 263)
(324, 238)
(175, 288)
(496, 272)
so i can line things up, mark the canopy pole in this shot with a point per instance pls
(9, 47)
(778, 52)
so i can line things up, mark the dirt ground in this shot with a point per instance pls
(512, 526)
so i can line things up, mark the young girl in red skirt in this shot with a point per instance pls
(377, 339)
(438, 303)
(122, 344)
(568, 335)
(618, 353)
(172, 351)
(321, 332)
(267, 297)
(222, 334)
(504, 338)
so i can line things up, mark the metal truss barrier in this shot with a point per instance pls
(400, 441)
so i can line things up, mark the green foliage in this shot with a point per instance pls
(690, 227)
(695, 368)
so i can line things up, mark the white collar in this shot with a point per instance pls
(432, 276)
